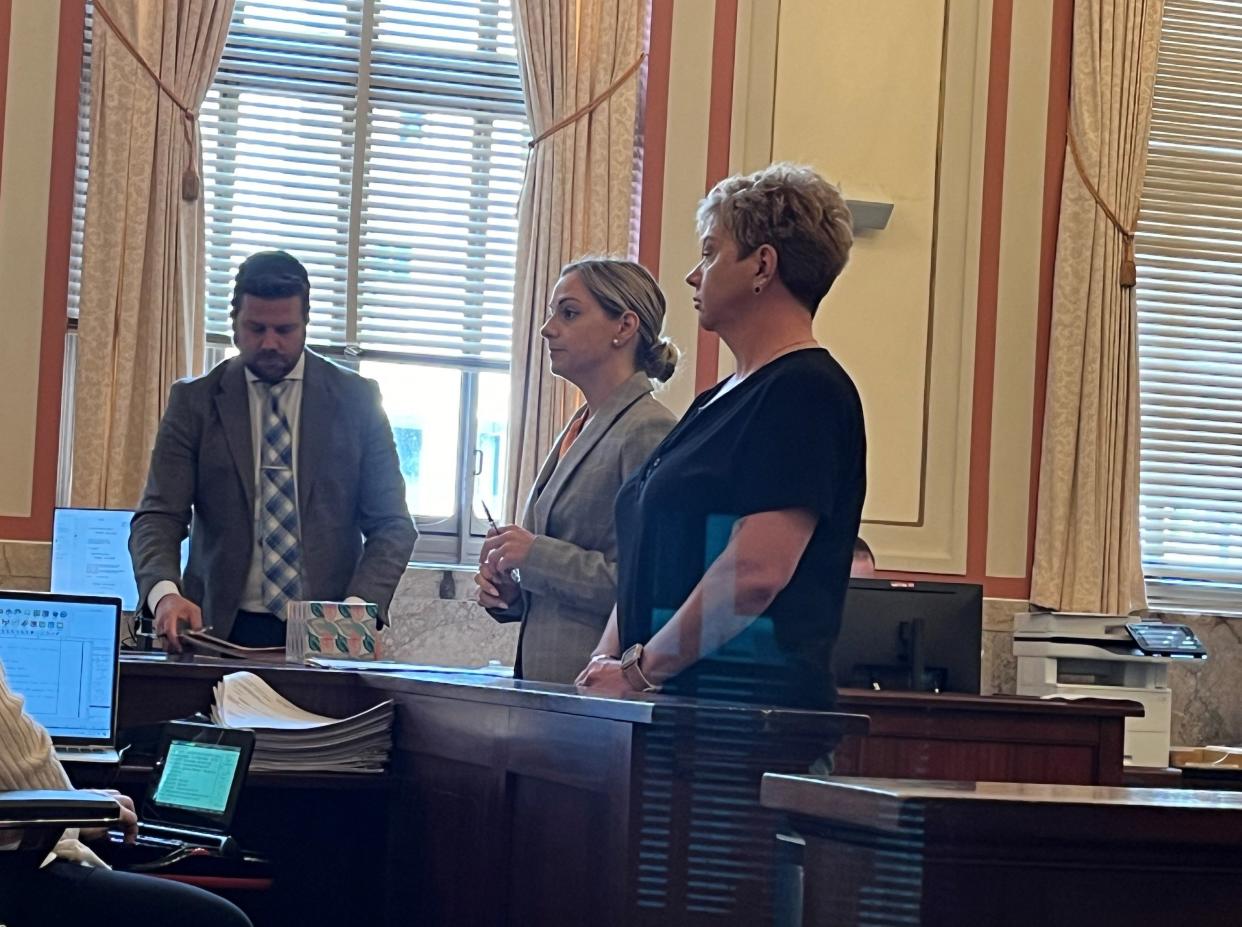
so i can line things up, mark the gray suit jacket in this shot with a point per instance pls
(569, 579)
(349, 488)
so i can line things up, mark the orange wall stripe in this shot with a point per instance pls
(719, 128)
(655, 134)
(989, 277)
(38, 526)
(6, 26)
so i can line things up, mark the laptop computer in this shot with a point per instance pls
(60, 653)
(195, 786)
(90, 554)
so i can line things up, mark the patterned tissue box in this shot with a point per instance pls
(343, 630)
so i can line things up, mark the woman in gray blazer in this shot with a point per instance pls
(556, 572)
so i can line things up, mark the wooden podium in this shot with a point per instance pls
(514, 803)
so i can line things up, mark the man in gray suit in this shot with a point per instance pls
(287, 466)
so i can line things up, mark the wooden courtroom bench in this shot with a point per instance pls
(884, 851)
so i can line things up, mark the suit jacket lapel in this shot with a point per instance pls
(233, 408)
(318, 412)
(621, 399)
(529, 516)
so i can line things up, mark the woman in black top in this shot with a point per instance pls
(735, 538)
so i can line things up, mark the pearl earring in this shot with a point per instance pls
(616, 342)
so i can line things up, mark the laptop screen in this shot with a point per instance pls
(60, 653)
(90, 554)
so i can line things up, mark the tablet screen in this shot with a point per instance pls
(198, 776)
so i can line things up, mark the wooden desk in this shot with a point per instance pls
(513, 803)
(953, 853)
(997, 738)
(1222, 779)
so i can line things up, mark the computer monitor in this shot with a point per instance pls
(90, 554)
(890, 628)
(61, 653)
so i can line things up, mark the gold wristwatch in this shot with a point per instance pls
(633, 672)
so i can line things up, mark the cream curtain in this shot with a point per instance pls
(140, 321)
(578, 196)
(1087, 531)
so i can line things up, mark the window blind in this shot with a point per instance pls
(1189, 293)
(383, 143)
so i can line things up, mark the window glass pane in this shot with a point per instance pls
(424, 409)
(493, 420)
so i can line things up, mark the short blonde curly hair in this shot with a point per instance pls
(798, 213)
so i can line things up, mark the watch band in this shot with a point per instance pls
(634, 675)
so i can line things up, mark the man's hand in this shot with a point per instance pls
(129, 817)
(496, 589)
(173, 611)
(506, 549)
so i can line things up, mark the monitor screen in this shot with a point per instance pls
(891, 628)
(60, 653)
(90, 554)
(197, 776)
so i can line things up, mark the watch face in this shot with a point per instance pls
(631, 655)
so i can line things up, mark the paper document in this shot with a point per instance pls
(388, 666)
(289, 738)
(245, 700)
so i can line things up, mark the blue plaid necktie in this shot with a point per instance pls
(282, 560)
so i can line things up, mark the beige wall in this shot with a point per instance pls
(815, 80)
(900, 115)
(24, 182)
(1013, 397)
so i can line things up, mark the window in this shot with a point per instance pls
(383, 143)
(1189, 250)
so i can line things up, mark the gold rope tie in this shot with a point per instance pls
(592, 106)
(190, 183)
(1129, 272)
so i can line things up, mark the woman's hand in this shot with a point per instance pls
(586, 670)
(496, 589)
(129, 817)
(603, 676)
(506, 549)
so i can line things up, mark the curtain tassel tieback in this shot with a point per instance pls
(1128, 274)
(191, 184)
(590, 107)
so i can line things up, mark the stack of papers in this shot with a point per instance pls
(289, 739)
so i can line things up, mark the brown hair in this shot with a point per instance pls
(798, 213)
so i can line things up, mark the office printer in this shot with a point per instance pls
(1079, 655)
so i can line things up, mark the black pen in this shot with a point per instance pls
(514, 574)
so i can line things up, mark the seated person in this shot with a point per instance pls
(287, 465)
(73, 886)
(863, 564)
